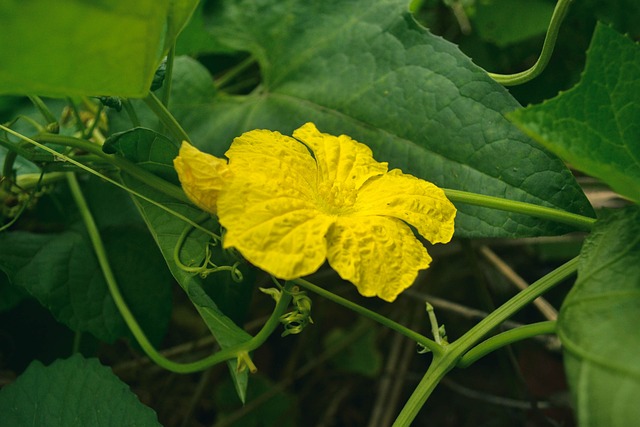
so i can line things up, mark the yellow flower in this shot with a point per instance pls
(289, 204)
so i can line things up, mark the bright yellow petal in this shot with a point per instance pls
(202, 176)
(270, 211)
(415, 201)
(381, 256)
(284, 236)
(271, 155)
(340, 159)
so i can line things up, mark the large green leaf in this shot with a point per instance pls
(598, 324)
(155, 153)
(62, 272)
(72, 392)
(86, 47)
(367, 69)
(596, 125)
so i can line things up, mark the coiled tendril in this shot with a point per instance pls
(207, 266)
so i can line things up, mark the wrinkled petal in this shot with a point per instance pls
(270, 213)
(417, 202)
(381, 256)
(270, 155)
(202, 176)
(340, 159)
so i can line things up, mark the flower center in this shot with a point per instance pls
(337, 197)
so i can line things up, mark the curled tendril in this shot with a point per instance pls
(297, 319)
(207, 266)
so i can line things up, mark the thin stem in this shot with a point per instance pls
(452, 353)
(559, 13)
(131, 112)
(557, 215)
(123, 164)
(237, 351)
(166, 117)
(168, 75)
(43, 109)
(421, 339)
(505, 338)
(148, 180)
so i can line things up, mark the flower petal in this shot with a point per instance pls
(340, 158)
(283, 236)
(271, 155)
(202, 176)
(418, 202)
(381, 256)
(270, 209)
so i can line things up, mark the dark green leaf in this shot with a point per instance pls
(146, 148)
(166, 230)
(9, 295)
(369, 71)
(72, 392)
(496, 21)
(597, 324)
(61, 271)
(596, 125)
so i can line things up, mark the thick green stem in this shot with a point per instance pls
(241, 350)
(557, 215)
(166, 117)
(421, 339)
(505, 338)
(452, 353)
(560, 11)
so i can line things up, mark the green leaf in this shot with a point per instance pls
(370, 71)
(166, 230)
(149, 149)
(139, 145)
(597, 324)
(496, 21)
(61, 271)
(155, 153)
(10, 295)
(596, 125)
(72, 392)
(86, 47)
(179, 14)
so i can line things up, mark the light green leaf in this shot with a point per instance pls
(72, 392)
(370, 71)
(597, 324)
(596, 125)
(86, 47)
